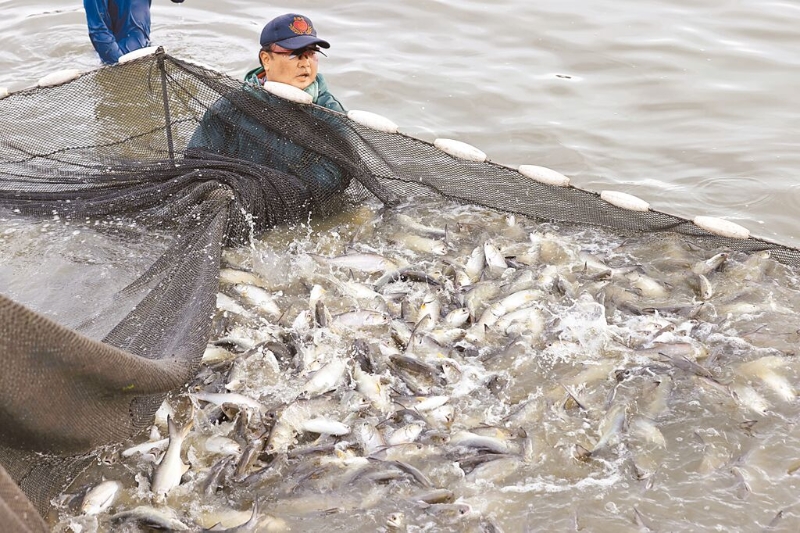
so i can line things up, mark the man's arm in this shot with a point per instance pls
(99, 23)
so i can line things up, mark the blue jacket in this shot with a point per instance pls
(117, 27)
(229, 131)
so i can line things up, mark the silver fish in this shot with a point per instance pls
(360, 318)
(710, 265)
(420, 244)
(145, 447)
(232, 276)
(495, 262)
(100, 497)
(415, 226)
(231, 398)
(370, 263)
(325, 426)
(217, 444)
(475, 263)
(325, 379)
(152, 518)
(259, 298)
(611, 427)
(171, 468)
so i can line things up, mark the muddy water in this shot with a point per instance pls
(627, 396)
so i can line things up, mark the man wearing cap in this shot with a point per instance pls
(289, 48)
(241, 127)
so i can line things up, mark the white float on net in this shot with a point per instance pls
(202, 65)
(625, 201)
(460, 150)
(136, 54)
(544, 175)
(58, 77)
(372, 120)
(3, 92)
(288, 92)
(724, 228)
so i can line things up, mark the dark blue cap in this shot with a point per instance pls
(291, 31)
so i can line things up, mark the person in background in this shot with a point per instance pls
(289, 48)
(117, 27)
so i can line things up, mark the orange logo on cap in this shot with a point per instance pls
(300, 26)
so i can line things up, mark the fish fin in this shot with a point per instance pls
(580, 453)
(172, 427)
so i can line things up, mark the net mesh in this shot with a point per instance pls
(151, 168)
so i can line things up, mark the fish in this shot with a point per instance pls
(169, 471)
(145, 447)
(151, 517)
(647, 430)
(229, 398)
(219, 445)
(362, 262)
(422, 403)
(226, 303)
(611, 427)
(457, 317)
(369, 437)
(371, 386)
(325, 425)
(431, 307)
(747, 396)
(405, 273)
(497, 443)
(507, 304)
(231, 276)
(475, 263)
(354, 289)
(258, 298)
(325, 379)
(764, 369)
(710, 265)
(257, 522)
(416, 227)
(217, 474)
(420, 244)
(405, 434)
(249, 456)
(360, 318)
(100, 497)
(495, 261)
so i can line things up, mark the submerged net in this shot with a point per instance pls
(116, 209)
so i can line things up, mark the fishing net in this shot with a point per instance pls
(119, 190)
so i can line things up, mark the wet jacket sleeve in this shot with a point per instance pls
(100, 33)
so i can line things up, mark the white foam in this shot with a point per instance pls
(288, 92)
(459, 149)
(58, 77)
(724, 228)
(625, 201)
(546, 486)
(544, 175)
(372, 120)
(136, 54)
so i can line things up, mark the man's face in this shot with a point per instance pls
(297, 68)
